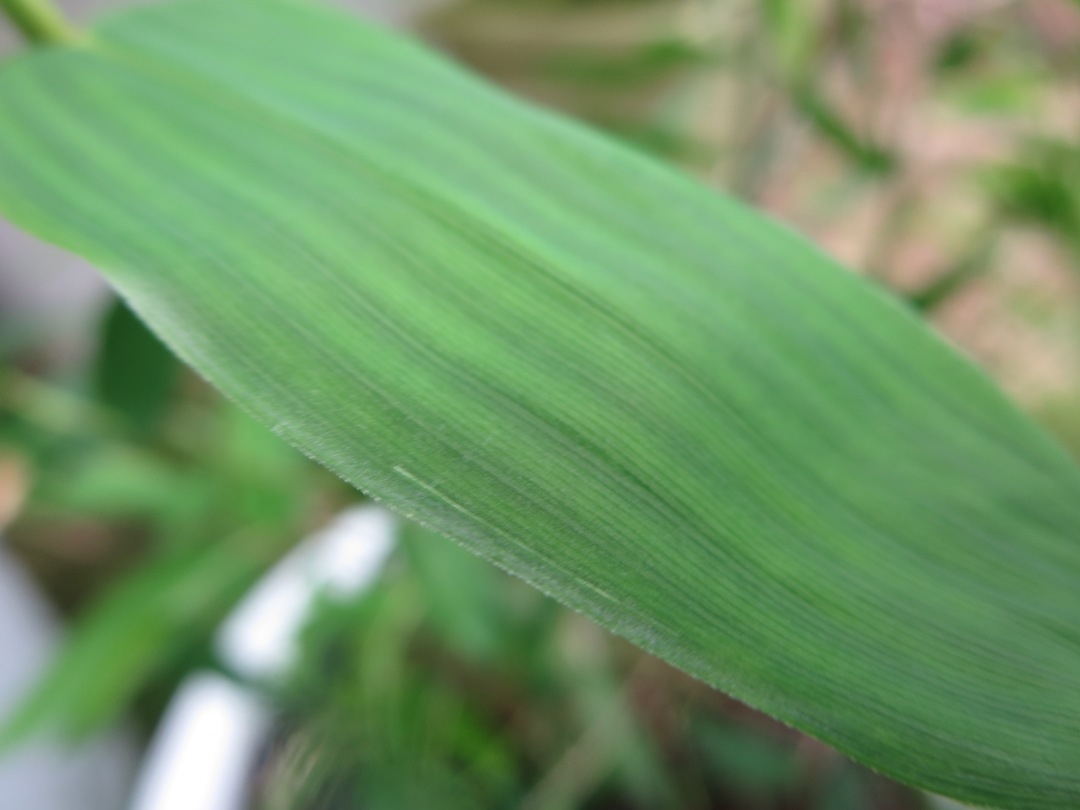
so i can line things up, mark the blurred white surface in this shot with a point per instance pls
(260, 638)
(202, 755)
(205, 749)
(46, 776)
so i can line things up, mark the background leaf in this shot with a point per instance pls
(141, 630)
(135, 372)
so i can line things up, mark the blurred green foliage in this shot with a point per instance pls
(155, 506)
(127, 344)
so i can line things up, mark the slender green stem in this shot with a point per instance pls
(39, 20)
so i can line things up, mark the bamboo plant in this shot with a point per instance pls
(667, 411)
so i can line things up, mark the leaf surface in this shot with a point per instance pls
(650, 402)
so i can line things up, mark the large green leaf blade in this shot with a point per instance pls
(650, 402)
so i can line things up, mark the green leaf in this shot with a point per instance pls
(670, 413)
(830, 124)
(461, 593)
(135, 373)
(792, 29)
(753, 764)
(1041, 189)
(651, 62)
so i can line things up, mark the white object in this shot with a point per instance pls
(259, 639)
(93, 775)
(202, 754)
(205, 748)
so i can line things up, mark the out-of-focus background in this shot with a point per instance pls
(930, 144)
